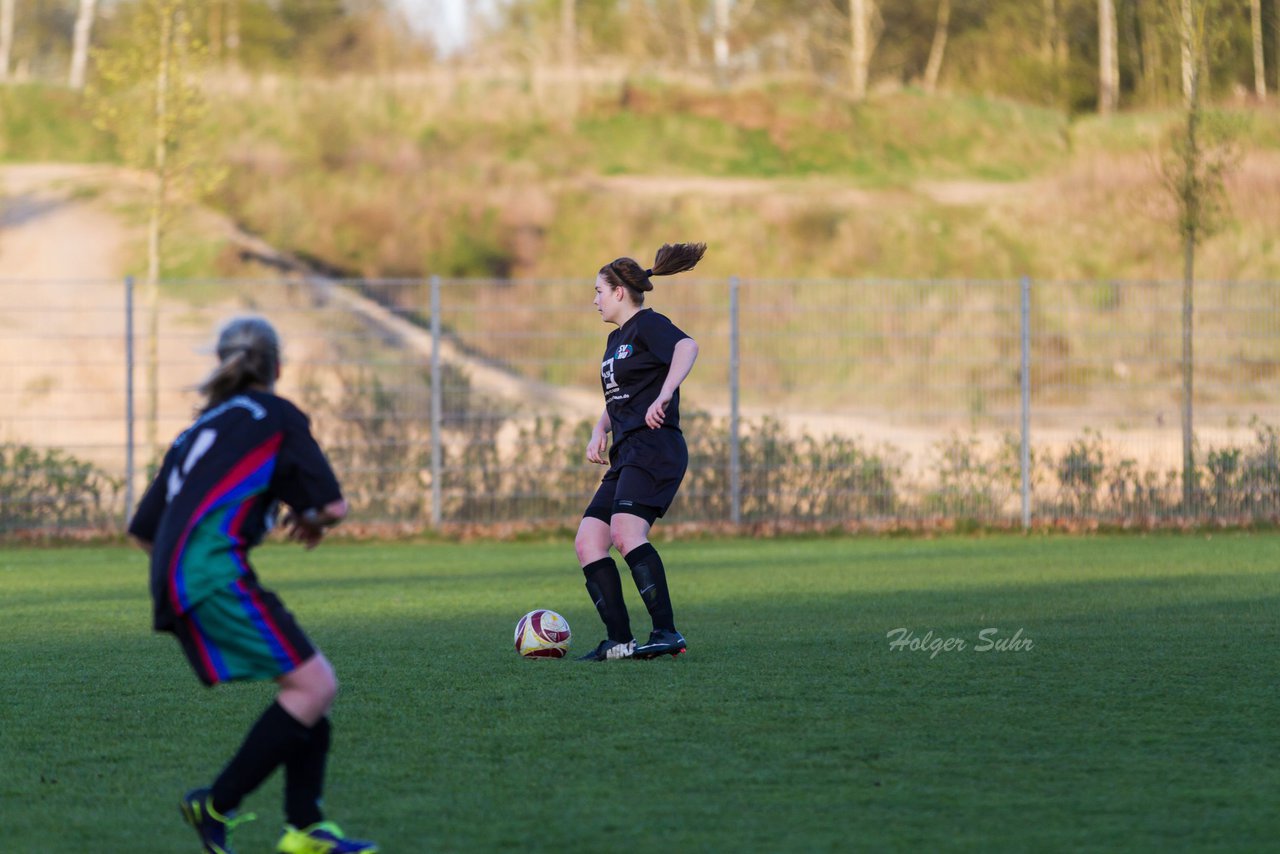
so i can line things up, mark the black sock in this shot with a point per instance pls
(273, 740)
(304, 778)
(604, 585)
(651, 580)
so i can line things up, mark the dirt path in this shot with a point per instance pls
(62, 314)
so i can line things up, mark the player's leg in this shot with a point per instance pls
(604, 584)
(643, 495)
(244, 633)
(308, 693)
(630, 534)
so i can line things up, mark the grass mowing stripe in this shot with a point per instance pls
(1141, 716)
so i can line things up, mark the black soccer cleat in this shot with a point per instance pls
(661, 642)
(607, 650)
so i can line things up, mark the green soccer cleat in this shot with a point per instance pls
(212, 827)
(323, 838)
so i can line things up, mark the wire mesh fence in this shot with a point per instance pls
(834, 403)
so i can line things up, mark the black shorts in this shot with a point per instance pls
(645, 470)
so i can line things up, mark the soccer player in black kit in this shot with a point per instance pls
(214, 498)
(645, 360)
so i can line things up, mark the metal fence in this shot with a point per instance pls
(813, 403)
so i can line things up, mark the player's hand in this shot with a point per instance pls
(657, 412)
(309, 526)
(299, 530)
(598, 448)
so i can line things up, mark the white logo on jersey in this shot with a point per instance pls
(606, 372)
(203, 442)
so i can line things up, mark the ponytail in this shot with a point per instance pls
(671, 259)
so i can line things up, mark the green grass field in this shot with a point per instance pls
(1142, 717)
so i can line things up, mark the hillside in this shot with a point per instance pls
(483, 178)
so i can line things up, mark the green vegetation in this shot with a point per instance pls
(1136, 720)
(787, 180)
(49, 123)
(49, 491)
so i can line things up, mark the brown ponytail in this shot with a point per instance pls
(248, 355)
(671, 259)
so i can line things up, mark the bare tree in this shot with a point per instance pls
(1259, 64)
(689, 24)
(231, 32)
(720, 39)
(933, 68)
(147, 96)
(1108, 58)
(1185, 37)
(569, 52)
(6, 37)
(860, 12)
(81, 38)
(1200, 155)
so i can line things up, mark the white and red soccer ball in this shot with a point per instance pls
(542, 634)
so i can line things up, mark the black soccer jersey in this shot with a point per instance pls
(636, 360)
(215, 496)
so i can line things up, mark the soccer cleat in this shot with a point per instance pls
(323, 838)
(212, 827)
(661, 642)
(610, 649)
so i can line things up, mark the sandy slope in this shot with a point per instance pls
(63, 254)
(62, 319)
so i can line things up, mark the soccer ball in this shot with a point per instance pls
(542, 634)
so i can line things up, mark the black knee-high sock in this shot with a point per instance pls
(272, 741)
(605, 588)
(651, 580)
(304, 778)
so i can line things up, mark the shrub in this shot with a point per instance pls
(52, 490)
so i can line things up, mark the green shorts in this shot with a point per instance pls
(242, 632)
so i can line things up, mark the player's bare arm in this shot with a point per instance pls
(686, 353)
(598, 446)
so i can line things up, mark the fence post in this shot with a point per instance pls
(735, 446)
(128, 400)
(437, 409)
(1026, 402)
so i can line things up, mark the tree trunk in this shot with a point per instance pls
(81, 38)
(720, 44)
(232, 30)
(939, 47)
(860, 46)
(689, 24)
(569, 53)
(1049, 30)
(1108, 58)
(1259, 63)
(1186, 34)
(1191, 211)
(155, 225)
(216, 22)
(6, 37)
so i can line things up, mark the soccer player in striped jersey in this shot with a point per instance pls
(215, 497)
(645, 360)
